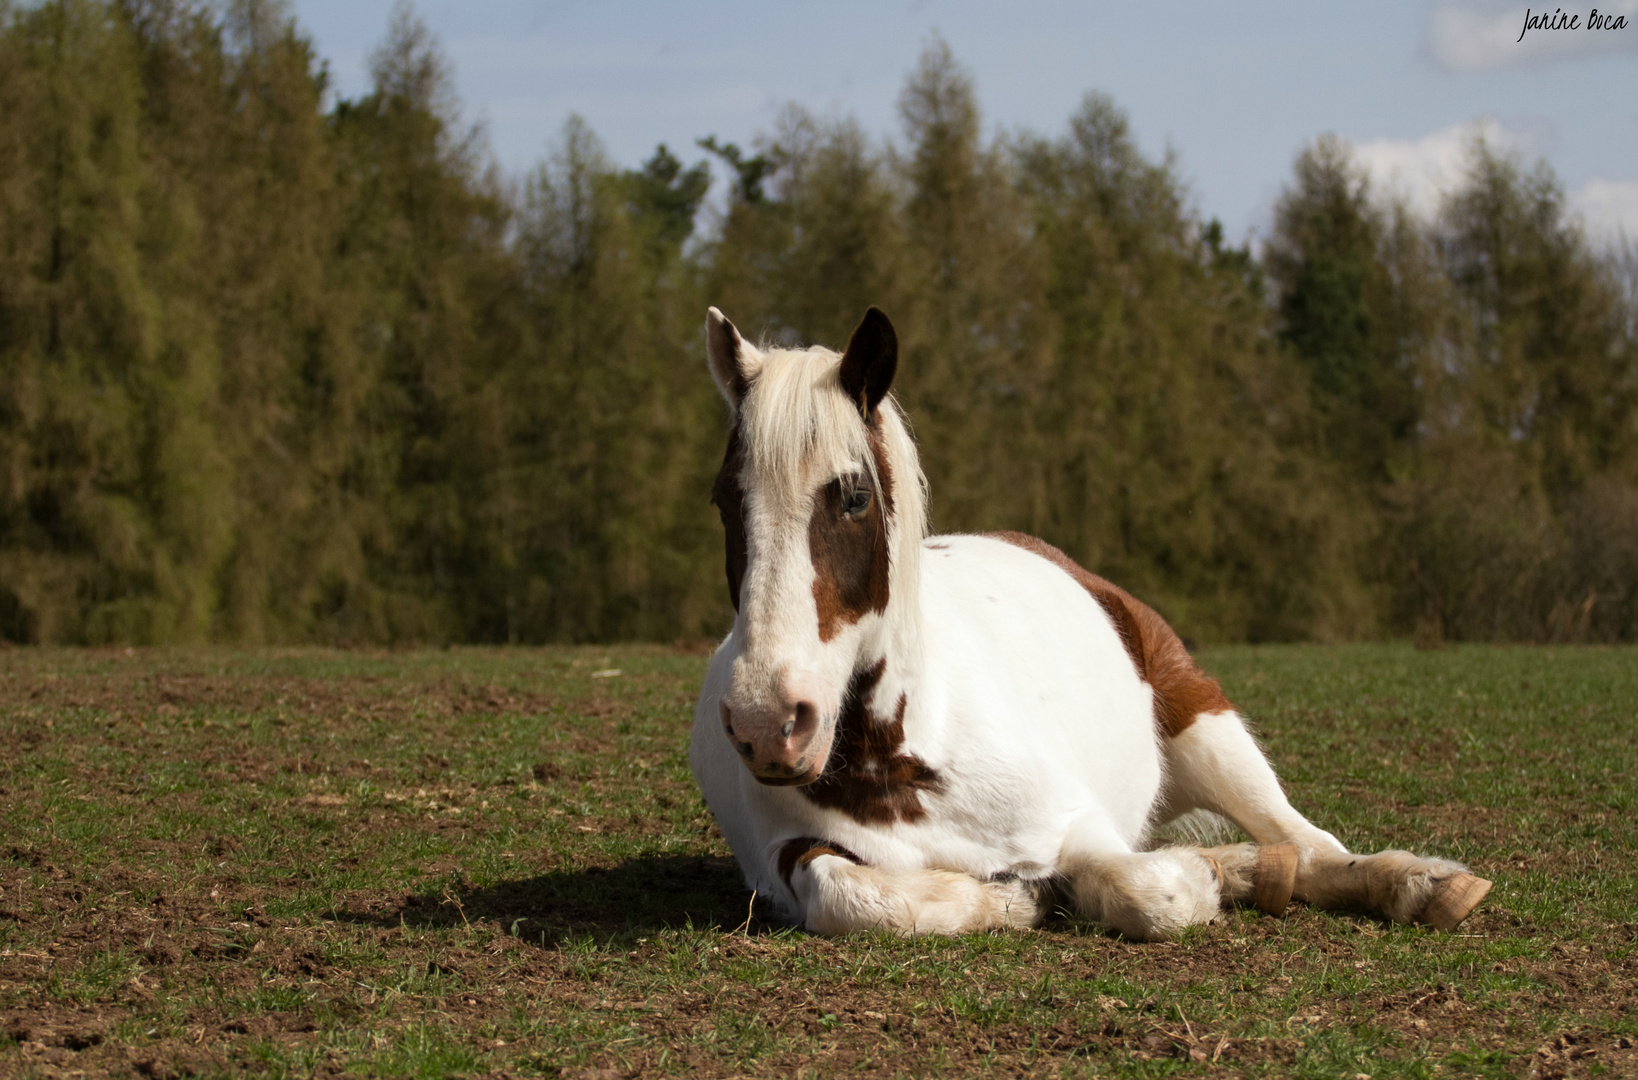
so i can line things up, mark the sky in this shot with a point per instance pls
(1234, 92)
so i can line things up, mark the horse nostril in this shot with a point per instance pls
(790, 726)
(806, 722)
(746, 750)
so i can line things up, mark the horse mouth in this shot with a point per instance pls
(787, 780)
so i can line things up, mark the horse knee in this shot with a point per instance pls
(834, 899)
(1150, 896)
(840, 897)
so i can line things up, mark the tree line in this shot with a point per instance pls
(277, 366)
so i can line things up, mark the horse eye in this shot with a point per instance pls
(856, 502)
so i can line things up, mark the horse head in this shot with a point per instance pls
(822, 502)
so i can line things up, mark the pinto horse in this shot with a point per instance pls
(947, 734)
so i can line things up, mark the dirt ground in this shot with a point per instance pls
(486, 864)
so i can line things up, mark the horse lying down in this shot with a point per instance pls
(935, 735)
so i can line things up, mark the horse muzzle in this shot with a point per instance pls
(785, 747)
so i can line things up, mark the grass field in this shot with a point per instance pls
(494, 862)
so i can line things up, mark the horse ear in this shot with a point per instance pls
(734, 363)
(871, 359)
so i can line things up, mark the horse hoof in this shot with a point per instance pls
(1274, 878)
(1455, 901)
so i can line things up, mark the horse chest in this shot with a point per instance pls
(872, 778)
(998, 781)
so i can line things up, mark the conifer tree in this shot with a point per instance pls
(277, 367)
(1183, 465)
(1339, 310)
(116, 513)
(975, 343)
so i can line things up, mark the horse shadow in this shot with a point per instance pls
(631, 899)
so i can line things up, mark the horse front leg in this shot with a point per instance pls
(835, 893)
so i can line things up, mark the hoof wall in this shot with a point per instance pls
(1455, 901)
(1274, 878)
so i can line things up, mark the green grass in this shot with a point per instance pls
(465, 862)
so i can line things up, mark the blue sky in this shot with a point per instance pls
(1233, 90)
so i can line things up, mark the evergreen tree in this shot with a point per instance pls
(1549, 366)
(1531, 453)
(117, 511)
(665, 197)
(276, 369)
(1341, 312)
(975, 344)
(1182, 453)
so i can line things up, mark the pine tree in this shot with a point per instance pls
(975, 345)
(1338, 302)
(116, 513)
(1182, 464)
(1550, 367)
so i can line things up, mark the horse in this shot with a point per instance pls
(958, 733)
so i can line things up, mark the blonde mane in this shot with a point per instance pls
(799, 427)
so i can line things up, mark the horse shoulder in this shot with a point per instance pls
(1044, 698)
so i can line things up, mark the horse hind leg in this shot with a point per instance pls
(1214, 764)
(1406, 888)
(1259, 876)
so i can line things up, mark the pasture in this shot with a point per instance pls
(494, 862)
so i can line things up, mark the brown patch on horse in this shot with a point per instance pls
(868, 778)
(849, 552)
(729, 497)
(1182, 691)
(805, 849)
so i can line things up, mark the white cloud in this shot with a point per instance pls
(1608, 209)
(1476, 35)
(1423, 171)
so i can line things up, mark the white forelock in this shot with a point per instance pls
(799, 429)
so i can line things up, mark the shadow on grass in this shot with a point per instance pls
(637, 896)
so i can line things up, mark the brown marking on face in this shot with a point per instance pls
(805, 849)
(1182, 691)
(729, 497)
(938, 547)
(849, 551)
(867, 777)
